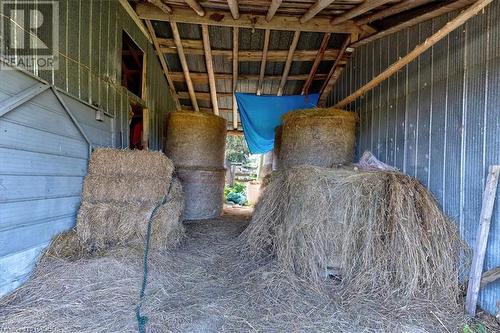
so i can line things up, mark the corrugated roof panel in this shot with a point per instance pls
(251, 39)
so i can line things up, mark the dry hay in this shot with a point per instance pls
(206, 285)
(196, 139)
(382, 232)
(112, 162)
(321, 137)
(103, 225)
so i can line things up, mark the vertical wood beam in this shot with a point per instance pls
(163, 63)
(318, 6)
(196, 7)
(288, 62)
(358, 10)
(210, 68)
(317, 61)
(233, 7)
(330, 79)
(267, 34)
(184, 64)
(235, 75)
(275, 4)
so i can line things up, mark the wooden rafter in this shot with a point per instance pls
(233, 7)
(428, 15)
(210, 68)
(359, 10)
(318, 6)
(163, 63)
(202, 78)
(417, 51)
(317, 61)
(236, 35)
(161, 5)
(184, 64)
(196, 7)
(392, 10)
(273, 7)
(333, 74)
(252, 21)
(267, 34)
(202, 96)
(128, 8)
(288, 63)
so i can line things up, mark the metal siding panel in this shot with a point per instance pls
(18, 188)
(384, 94)
(401, 76)
(392, 116)
(412, 107)
(424, 107)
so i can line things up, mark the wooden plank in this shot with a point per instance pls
(288, 63)
(314, 68)
(130, 11)
(440, 10)
(196, 7)
(210, 68)
(483, 230)
(13, 102)
(233, 7)
(203, 77)
(235, 74)
(184, 64)
(246, 20)
(161, 5)
(392, 10)
(318, 6)
(263, 61)
(428, 43)
(490, 276)
(359, 10)
(332, 78)
(273, 7)
(163, 63)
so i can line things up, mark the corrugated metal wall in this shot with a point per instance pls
(43, 156)
(439, 118)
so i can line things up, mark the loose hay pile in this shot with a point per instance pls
(120, 192)
(382, 233)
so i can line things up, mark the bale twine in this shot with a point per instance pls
(204, 192)
(196, 139)
(320, 137)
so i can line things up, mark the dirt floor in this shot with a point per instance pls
(205, 285)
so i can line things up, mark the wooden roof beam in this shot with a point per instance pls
(392, 10)
(210, 68)
(267, 34)
(417, 51)
(202, 78)
(251, 21)
(359, 10)
(273, 7)
(428, 15)
(333, 75)
(288, 63)
(184, 64)
(236, 35)
(196, 7)
(233, 7)
(318, 6)
(161, 5)
(317, 61)
(163, 63)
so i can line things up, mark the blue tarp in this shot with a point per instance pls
(260, 115)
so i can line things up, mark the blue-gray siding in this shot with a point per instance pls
(438, 119)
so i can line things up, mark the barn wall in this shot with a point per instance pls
(438, 119)
(43, 154)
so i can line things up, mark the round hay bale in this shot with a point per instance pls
(196, 139)
(278, 132)
(320, 137)
(203, 192)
